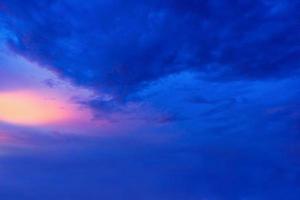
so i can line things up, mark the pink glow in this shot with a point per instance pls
(32, 108)
(26, 100)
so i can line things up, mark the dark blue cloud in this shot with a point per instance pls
(117, 46)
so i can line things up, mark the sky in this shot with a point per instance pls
(149, 100)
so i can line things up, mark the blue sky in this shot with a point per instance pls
(149, 100)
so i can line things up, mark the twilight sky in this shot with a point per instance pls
(149, 100)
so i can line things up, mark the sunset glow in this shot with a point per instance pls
(30, 108)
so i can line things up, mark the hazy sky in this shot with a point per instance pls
(149, 100)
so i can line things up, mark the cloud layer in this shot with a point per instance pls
(117, 46)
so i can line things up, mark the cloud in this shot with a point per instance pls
(118, 46)
(227, 107)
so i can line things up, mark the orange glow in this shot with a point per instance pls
(31, 108)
